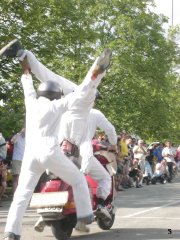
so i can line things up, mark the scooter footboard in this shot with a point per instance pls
(48, 199)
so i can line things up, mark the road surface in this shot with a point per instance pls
(148, 213)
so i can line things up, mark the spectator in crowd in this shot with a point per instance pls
(3, 148)
(10, 147)
(177, 157)
(126, 183)
(150, 156)
(3, 179)
(3, 167)
(169, 153)
(119, 176)
(161, 172)
(157, 153)
(140, 152)
(101, 136)
(130, 145)
(120, 167)
(18, 152)
(135, 173)
(123, 144)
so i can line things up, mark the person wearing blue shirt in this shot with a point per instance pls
(158, 152)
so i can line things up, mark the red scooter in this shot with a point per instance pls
(55, 203)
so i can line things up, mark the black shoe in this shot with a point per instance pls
(11, 236)
(11, 49)
(103, 62)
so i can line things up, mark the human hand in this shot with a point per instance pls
(25, 66)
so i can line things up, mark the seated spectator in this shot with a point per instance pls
(135, 173)
(161, 172)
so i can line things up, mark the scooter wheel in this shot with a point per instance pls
(61, 230)
(104, 223)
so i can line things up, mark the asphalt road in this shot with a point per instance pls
(148, 213)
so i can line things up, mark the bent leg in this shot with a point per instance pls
(61, 166)
(27, 182)
(98, 173)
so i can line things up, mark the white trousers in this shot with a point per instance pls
(32, 168)
(90, 165)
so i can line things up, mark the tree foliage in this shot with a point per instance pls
(140, 91)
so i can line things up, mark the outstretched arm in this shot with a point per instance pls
(104, 124)
(27, 83)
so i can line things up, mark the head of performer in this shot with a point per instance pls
(50, 90)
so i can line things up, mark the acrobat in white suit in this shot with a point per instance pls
(42, 148)
(89, 163)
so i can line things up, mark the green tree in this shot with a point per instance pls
(140, 87)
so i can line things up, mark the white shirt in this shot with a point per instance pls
(96, 119)
(160, 169)
(42, 117)
(19, 145)
(170, 151)
(139, 153)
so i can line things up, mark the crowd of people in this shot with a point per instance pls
(140, 164)
(137, 163)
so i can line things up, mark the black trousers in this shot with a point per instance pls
(170, 168)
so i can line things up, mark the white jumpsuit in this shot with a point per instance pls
(95, 119)
(42, 152)
(89, 164)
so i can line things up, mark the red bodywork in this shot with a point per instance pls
(59, 185)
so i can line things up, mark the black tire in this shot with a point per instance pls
(61, 229)
(104, 223)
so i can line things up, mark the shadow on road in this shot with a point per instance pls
(133, 234)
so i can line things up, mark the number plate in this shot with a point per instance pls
(49, 210)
